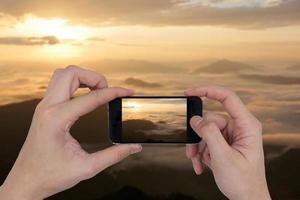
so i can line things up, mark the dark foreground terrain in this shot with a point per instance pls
(141, 181)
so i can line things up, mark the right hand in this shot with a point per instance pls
(231, 146)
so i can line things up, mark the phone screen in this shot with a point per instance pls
(150, 120)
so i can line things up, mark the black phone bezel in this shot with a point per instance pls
(194, 107)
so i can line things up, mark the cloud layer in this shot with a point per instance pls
(163, 12)
(273, 79)
(140, 83)
(29, 41)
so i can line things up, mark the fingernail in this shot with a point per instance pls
(196, 120)
(135, 148)
(196, 168)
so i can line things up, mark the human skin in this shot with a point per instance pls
(51, 160)
(231, 146)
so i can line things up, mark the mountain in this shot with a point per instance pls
(133, 193)
(15, 120)
(225, 66)
(283, 175)
(139, 180)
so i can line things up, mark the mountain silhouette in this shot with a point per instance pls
(225, 66)
(133, 193)
(144, 180)
(283, 175)
(15, 120)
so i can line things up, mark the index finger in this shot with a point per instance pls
(84, 104)
(65, 82)
(230, 101)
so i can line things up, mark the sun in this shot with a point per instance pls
(57, 27)
(134, 106)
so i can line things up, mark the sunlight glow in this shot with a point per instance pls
(134, 106)
(57, 27)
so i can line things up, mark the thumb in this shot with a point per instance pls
(211, 134)
(100, 160)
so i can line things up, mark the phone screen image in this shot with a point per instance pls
(154, 120)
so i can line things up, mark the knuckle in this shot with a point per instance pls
(39, 107)
(102, 77)
(258, 124)
(230, 92)
(58, 71)
(209, 126)
(96, 93)
(208, 114)
(189, 153)
(71, 68)
(227, 90)
(116, 92)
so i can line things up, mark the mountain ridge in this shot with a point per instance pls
(225, 66)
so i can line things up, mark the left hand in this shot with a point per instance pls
(51, 160)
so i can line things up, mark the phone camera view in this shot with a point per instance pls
(154, 120)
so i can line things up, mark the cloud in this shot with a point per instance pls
(282, 119)
(135, 66)
(140, 83)
(294, 67)
(272, 79)
(29, 41)
(132, 45)
(21, 81)
(240, 14)
(282, 139)
(96, 39)
(137, 130)
(237, 3)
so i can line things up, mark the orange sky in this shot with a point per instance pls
(269, 31)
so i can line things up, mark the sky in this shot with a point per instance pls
(160, 47)
(263, 31)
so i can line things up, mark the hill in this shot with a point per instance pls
(15, 120)
(283, 175)
(225, 66)
(140, 180)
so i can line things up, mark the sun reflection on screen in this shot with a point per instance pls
(133, 106)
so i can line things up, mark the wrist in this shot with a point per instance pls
(262, 194)
(16, 193)
(16, 190)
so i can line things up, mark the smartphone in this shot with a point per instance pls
(153, 119)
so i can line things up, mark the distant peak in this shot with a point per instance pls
(225, 66)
